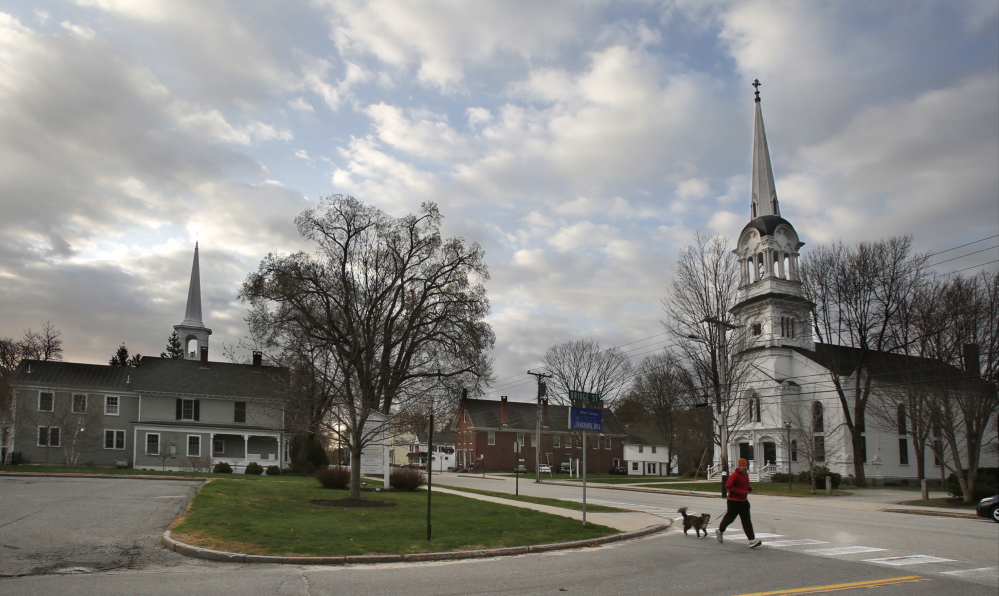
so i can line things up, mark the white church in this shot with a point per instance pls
(786, 410)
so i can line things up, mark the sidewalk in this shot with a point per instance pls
(626, 522)
(879, 499)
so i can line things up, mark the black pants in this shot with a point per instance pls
(740, 509)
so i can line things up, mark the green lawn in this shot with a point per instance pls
(277, 518)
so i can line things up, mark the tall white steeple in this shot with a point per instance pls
(772, 309)
(192, 330)
(764, 190)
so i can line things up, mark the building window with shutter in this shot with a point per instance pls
(188, 409)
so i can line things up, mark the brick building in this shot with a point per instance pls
(486, 431)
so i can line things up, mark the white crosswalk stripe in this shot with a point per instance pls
(909, 560)
(843, 550)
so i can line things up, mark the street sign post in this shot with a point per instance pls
(586, 414)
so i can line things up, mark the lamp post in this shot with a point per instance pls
(787, 425)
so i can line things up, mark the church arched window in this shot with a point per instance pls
(756, 402)
(818, 424)
(761, 269)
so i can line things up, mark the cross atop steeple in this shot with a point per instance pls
(757, 84)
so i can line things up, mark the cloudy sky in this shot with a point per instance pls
(582, 144)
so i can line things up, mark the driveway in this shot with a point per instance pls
(81, 525)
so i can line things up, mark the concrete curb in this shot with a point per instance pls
(215, 555)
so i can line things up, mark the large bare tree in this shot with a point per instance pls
(583, 365)
(861, 295)
(393, 306)
(703, 290)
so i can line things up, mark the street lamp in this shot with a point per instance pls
(787, 425)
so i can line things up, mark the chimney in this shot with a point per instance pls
(204, 355)
(257, 360)
(504, 411)
(544, 412)
(972, 365)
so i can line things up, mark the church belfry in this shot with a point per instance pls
(771, 307)
(192, 331)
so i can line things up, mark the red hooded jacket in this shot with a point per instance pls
(738, 486)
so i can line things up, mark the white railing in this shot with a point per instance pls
(714, 471)
(767, 471)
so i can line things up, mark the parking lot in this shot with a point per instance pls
(80, 525)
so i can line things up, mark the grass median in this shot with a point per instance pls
(279, 518)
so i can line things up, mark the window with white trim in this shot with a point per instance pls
(188, 409)
(641, 449)
(152, 443)
(557, 441)
(46, 401)
(49, 436)
(520, 440)
(653, 449)
(111, 405)
(193, 445)
(114, 439)
(491, 437)
(79, 403)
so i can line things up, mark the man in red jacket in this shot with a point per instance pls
(738, 504)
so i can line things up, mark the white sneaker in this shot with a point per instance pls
(755, 543)
(718, 535)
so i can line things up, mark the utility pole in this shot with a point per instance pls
(542, 391)
(722, 328)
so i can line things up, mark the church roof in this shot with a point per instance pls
(886, 367)
(766, 225)
(192, 315)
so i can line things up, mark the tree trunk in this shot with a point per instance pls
(857, 442)
(355, 469)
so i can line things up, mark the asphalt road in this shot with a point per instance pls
(68, 516)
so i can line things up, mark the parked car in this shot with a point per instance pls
(565, 468)
(989, 508)
(520, 468)
(618, 470)
(545, 469)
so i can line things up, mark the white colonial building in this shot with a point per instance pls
(786, 411)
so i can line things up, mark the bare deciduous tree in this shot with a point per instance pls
(662, 388)
(582, 365)
(393, 305)
(861, 294)
(702, 292)
(43, 345)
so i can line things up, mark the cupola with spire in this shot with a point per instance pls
(192, 330)
(771, 305)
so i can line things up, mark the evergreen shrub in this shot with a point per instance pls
(254, 468)
(222, 468)
(337, 477)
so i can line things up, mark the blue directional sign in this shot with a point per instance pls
(586, 419)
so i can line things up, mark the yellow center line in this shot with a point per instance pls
(850, 586)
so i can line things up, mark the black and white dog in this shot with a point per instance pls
(698, 522)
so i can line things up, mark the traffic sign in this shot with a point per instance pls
(586, 419)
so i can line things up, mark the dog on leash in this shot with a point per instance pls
(698, 522)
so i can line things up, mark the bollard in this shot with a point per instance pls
(924, 489)
(828, 486)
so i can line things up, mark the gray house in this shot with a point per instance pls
(172, 414)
